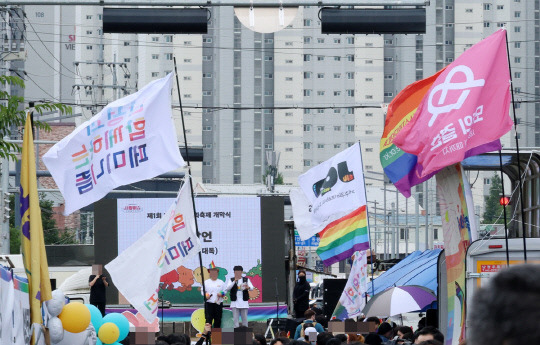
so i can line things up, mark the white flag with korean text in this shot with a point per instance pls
(332, 190)
(131, 139)
(136, 272)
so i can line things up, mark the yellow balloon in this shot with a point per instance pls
(198, 320)
(75, 317)
(108, 333)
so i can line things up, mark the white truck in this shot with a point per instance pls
(484, 259)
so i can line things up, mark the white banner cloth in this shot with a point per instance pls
(130, 140)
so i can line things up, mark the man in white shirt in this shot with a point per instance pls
(239, 287)
(214, 297)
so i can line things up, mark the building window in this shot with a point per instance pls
(168, 56)
(307, 111)
(288, 43)
(350, 128)
(307, 128)
(126, 43)
(435, 234)
(388, 59)
(388, 42)
(350, 143)
(268, 76)
(207, 40)
(448, 42)
(320, 146)
(307, 22)
(403, 234)
(368, 79)
(288, 96)
(268, 93)
(155, 74)
(307, 75)
(487, 181)
(500, 25)
(307, 146)
(337, 58)
(517, 74)
(268, 58)
(89, 47)
(487, 7)
(468, 10)
(127, 59)
(337, 146)
(288, 167)
(369, 96)
(337, 128)
(369, 44)
(207, 75)
(350, 57)
(320, 128)
(320, 40)
(268, 40)
(369, 114)
(268, 146)
(388, 77)
(88, 32)
(337, 75)
(388, 94)
(168, 38)
(155, 39)
(307, 92)
(369, 167)
(207, 128)
(369, 132)
(469, 28)
(88, 17)
(350, 40)
(207, 146)
(288, 61)
(207, 57)
(337, 93)
(187, 60)
(350, 111)
(320, 93)
(156, 57)
(486, 24)
(517, 28)
(288, 114)
(369, 62)
(307, 162)
(320, 111)
(320, 58)
(187, 43)
(320, 75)
(207, 93)
(517, 14)
(288, 149)
(448, 7)
(369, 149)
(207, 164)
(307, 39)
(337, 40)
(288, 78)
(187, 77)
(517, 59)
(500, 7)
(350, 75)
(517, 44)
(350, 93)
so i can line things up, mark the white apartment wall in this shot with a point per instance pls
(289, 93)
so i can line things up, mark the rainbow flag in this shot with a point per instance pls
(212, 265)
(33, 244)
(341, 238)
(401, 167)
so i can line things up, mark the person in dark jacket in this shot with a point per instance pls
(301, 295)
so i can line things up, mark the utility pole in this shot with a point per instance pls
(426, 208)
(385, 224)
(406, 227)
(417, 232)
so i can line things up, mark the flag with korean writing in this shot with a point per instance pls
(137, 271)
(130, 140)
(467, 106)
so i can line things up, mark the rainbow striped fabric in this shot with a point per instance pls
(341, 238)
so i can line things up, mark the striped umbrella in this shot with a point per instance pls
(399, 300)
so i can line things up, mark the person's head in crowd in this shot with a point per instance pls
(163, 338)
(405, 332)
(309, 315)
(173, 338)
(213, 272)
(510, 307)
(308, 331)
(421, 323)
(386, 331)
(322, 320)
(334, 341)
(342, 337)
(298, 342)
(280, 341)
(431, 342)
(161, 342)
(373, 319)
(302, 276)
(187, 339)
(428, 333)
(260, 338)
(323, 337)
(373, 339)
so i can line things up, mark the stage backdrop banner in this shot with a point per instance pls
(230, 231)
(456, 233)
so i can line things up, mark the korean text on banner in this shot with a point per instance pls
(334, 188)
(353, 298)
(136, 272)
(456, 230)
(466, 107)
(33, 244)
(130, 140)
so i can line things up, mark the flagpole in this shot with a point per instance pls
(190, 183)
(517, 151)
(504, 212)
(369, 229)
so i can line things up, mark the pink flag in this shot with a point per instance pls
(467, 106)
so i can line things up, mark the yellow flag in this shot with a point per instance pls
(33, 244)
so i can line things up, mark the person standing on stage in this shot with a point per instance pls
(98, 283)
(301, 295)
(214, 297)
(239, 287)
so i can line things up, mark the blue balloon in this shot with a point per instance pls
(95, 316)
(119, 320)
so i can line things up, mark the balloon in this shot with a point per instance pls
(75, 317)
(120, 321)
(95, 316)
(59, 295)
(54, 306)
(56, 330)
(108, 333)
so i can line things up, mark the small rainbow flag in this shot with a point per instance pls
(212, 265)
(341, 238)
